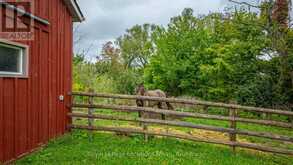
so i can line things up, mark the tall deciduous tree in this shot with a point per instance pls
(283, 44)
(137, 45)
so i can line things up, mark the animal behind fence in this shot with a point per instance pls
(141, 91)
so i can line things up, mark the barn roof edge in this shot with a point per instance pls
(74, 10)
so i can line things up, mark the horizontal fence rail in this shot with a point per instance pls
(185, 101)
(188, 125)
(186, 137)
(184, 114)
(233, 119)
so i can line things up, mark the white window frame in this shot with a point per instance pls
(23, 59)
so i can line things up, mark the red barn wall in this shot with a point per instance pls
(30, 111)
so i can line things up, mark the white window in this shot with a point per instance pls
(13, 59)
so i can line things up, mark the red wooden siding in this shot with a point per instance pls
(30, 111)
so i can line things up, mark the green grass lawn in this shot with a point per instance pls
(107, 148)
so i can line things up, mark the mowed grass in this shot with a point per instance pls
(106, 148)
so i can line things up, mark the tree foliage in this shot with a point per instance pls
(137, 45)
(238, 56)
(216, 57)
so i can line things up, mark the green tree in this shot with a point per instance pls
(208, 57)
(137, 45)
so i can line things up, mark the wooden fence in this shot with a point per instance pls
(233, 119)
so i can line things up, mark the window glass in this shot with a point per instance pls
(13, 59)
(10, 59)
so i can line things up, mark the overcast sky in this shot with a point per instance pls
(108, 19)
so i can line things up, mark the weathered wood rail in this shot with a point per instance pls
(233, 119)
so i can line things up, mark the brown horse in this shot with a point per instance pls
(141, 91)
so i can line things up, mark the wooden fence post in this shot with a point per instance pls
(141, 103)
(90, 113)
(70, 120)
(233, 125)
(145, 128)
(291, 117)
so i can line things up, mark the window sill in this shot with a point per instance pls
(14, 76)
